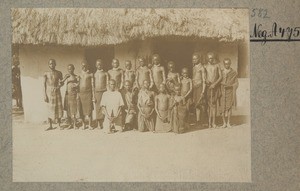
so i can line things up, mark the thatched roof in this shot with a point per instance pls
(93, 27)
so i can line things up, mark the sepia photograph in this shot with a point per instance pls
(131, 95)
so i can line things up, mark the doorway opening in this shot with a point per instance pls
(105, 53)
(179, 52)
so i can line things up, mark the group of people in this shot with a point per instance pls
(147, 99)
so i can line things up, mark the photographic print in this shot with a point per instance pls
(131, 95)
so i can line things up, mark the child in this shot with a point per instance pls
(130, 99)
(146, 108)
(129, 73)
(143, 73)
(229, 85)
(71, 95)
(116, 74)
(173, 78)
(186, 86)
(162, 110)
(158, 72)
(101, 81)
(178, 112)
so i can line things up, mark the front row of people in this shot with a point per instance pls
(121, 104)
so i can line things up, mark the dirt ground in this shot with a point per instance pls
(200, 155)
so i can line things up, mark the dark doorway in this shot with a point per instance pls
(179, 52)
(106, 53)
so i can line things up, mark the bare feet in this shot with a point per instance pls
(228, 125)
(214, 126)
(224, 125)
(49, 128)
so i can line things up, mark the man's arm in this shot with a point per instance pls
(137, 80)
(93, 86)
(45, 88)
(122, 79)
(203, 80)
(164, 75)
(151, 78)
(155, 106)
(190, 90)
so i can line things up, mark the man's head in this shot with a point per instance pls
(177, 90)
(127, 85)
(71, 68)
(142, 61)
(162, 88)
(84, 65)
(99, 64)
(171, 66)
(52, 64)
(112, 85)
(227, 63)
(211, 57)
(196, 58)
(156, 59)
(185, 72)
(115, 63)
(128, 64)
(146, 84)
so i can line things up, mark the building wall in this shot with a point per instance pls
(33, 64)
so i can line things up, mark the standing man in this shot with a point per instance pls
(229, 85)
(213, 79)
(86, 94)
(143, 73)
(52, 96)
(116, 74)
(199, 76)
(16, 80)
(112, 103)
(101, 81)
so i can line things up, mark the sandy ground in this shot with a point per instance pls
(218, 155)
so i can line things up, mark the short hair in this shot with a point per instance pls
(71, 65)
(99, 60)
(185, 68)
(211, 53)
(112, 80)
(156, 55)
(227, 59)
(52, 60)
(197, 54)
(115, 59)
(127, 61)
(171, 63)
(127, 81)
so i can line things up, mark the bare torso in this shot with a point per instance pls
(53, 78)
(143, 74)
(100, 80)
(162, 101)
(186, 85)
(158, 73)
(129, 75)
(198, 72)
(116, 74)
(85, 81)
(212, 73)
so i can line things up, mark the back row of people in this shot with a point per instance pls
(142, 88)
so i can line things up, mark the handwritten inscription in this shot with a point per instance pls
(259, 12)
(276, 33)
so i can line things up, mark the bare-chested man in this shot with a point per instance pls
(199, 76)
(101, 81)
(53, 80)
(116, 74)
(158, 72)
(213, 79)
(86, 94)
(143, 73)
